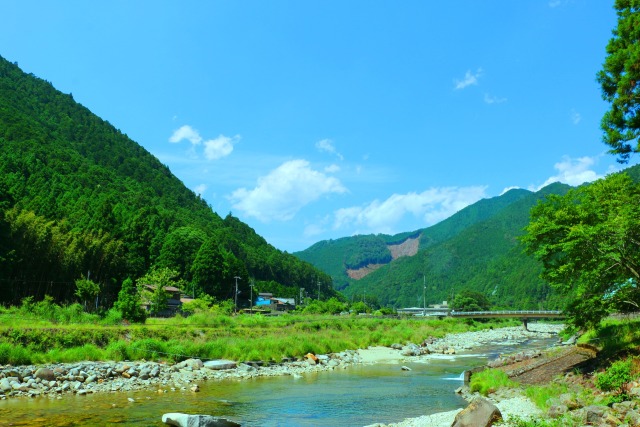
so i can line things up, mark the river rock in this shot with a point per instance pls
(190, 363)
(45, 374)
(186, 420)
(5, 385)
(220, 364)
(479, 413)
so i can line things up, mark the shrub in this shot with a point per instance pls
(615, 377)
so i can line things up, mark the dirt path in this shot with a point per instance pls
(547, 367)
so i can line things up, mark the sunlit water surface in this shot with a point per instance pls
(356, 396)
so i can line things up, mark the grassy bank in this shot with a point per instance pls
(33, 337)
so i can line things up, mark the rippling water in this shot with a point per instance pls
(357, 396)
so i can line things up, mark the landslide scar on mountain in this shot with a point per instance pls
(407, 248)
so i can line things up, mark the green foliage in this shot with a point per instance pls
(588, 242)
(128, 302)
(490, 381)
(201, 304)
(615, 377)
(87, 290)
(467, 300)
(618, 79)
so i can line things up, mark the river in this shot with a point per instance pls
(357, 396)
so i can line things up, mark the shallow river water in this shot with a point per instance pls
(356, 396)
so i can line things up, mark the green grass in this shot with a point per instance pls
(44, 331)
(544, 395)
(490, 381)
(614, 336)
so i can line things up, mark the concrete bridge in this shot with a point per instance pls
(525, 315)
(519, 314)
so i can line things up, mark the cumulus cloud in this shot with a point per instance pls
(284, 191)
(220, 147)
(468, 80)
(214, 149)
(432, 205)
(186, 132)
(326, 145)
(573, 172)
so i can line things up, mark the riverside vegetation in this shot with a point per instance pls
(46, 332)
(604, 392)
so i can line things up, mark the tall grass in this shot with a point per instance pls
(202, 335)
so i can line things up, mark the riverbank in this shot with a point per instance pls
(55, 380)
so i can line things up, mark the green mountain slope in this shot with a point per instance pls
(336, 256)
(78, 198)
(475, 249)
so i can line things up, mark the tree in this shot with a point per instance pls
(589, 245)
(86, 290)
(619, 79)
(467, 300)
(128, 302)
(158, 279)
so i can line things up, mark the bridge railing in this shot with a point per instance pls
(507, 313)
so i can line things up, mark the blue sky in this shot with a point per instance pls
(313, 120)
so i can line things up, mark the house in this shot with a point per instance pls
(267, 300)
(174, 302)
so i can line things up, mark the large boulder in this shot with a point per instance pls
(185, 420)
(220, 364)
(479, 413)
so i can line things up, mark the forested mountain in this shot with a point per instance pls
(78, 198)
(475, 249)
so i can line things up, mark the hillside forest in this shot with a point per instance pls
(80, 200)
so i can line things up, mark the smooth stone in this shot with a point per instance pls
(220, 364)
(186, 420)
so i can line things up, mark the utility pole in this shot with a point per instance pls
(318, 290)
(251, 300)
(301, 296)
(424, 295)
(236, 295)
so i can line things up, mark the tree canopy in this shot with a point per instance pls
(619, 79)
(589, 244)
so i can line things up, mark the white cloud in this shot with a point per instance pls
(572, 171)
(284, 191)
(332, 168)
(575, 117)
(214, 149)
(220, 147)
(316, 228)
(490, 99)
(432, 205)
(200, 189)
(513, 187)
(326, 145)
(468, 80)
(188, 133)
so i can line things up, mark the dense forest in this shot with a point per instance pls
(79, 199)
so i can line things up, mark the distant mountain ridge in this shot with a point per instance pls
(476, 249)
